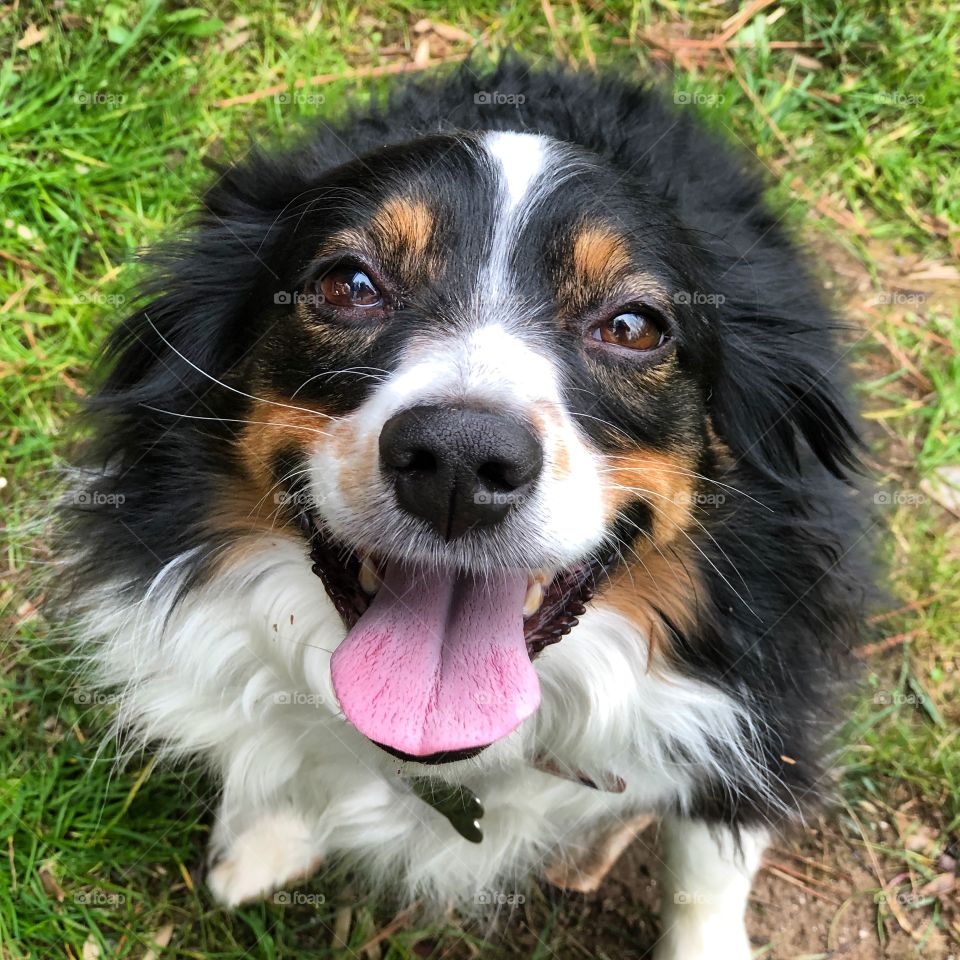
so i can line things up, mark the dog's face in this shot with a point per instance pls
(484, 380)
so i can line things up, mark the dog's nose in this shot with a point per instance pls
(457, 467)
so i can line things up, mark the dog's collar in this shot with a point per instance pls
(464, 809)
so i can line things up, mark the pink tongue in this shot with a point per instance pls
(438, 662)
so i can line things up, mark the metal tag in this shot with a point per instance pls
(460, 805)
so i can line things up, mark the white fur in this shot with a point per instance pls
(706, 879)
(275, 849)
(555, 526)
(521, 161)
(239, 673)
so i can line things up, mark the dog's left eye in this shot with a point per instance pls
(348, 287)
(635, 331)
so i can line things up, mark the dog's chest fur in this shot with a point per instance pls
(240, 672)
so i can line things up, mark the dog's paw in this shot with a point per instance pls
(274, 851)
(710, 937)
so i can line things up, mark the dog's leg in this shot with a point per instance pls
(706, 880)
(274, 849)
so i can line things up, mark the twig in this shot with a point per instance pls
(891, 902)
(759, 107)
(740, 19)
(813, 863)
(806, 889)
(887, 643)
(364, 73)
(908, 608)
(803, 876)
(392, 927)
(23, 264)
(554, 31)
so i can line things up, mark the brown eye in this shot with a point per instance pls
(348, 287)
(631, 330)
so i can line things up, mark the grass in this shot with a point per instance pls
(105, 119)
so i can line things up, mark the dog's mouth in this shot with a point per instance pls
(437, 664)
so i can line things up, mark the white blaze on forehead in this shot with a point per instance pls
(523, 162)
(520, 157)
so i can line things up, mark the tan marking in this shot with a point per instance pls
(247, 515)
(547, 419)
(404, 227)
(661, 480)
(664, 582)
(277, 426)
(360, 466)
(722, 454)
(601, 270)
(600, 256)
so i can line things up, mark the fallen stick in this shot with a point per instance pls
(887, 643)
(364, 73)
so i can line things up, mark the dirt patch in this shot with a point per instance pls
(817, 896)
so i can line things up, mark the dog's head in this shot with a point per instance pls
(483, 375)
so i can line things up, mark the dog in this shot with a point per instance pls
(479, 473)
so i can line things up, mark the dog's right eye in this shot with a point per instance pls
(348, 287)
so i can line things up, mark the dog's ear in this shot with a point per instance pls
(203, 291)
(780, 385)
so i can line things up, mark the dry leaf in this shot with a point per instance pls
(922, 840)
(944, 487)
(90, 950)
(934, 271)
(807, 63)
(49, 883)
(235, 42)
(160, 939)
(31, 36)
(938, 886)
(421, 56)
(447, 31)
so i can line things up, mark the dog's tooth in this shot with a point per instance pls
(543, 576)
(369, 578)
(533, 599)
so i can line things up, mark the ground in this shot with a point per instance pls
(105, 114)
